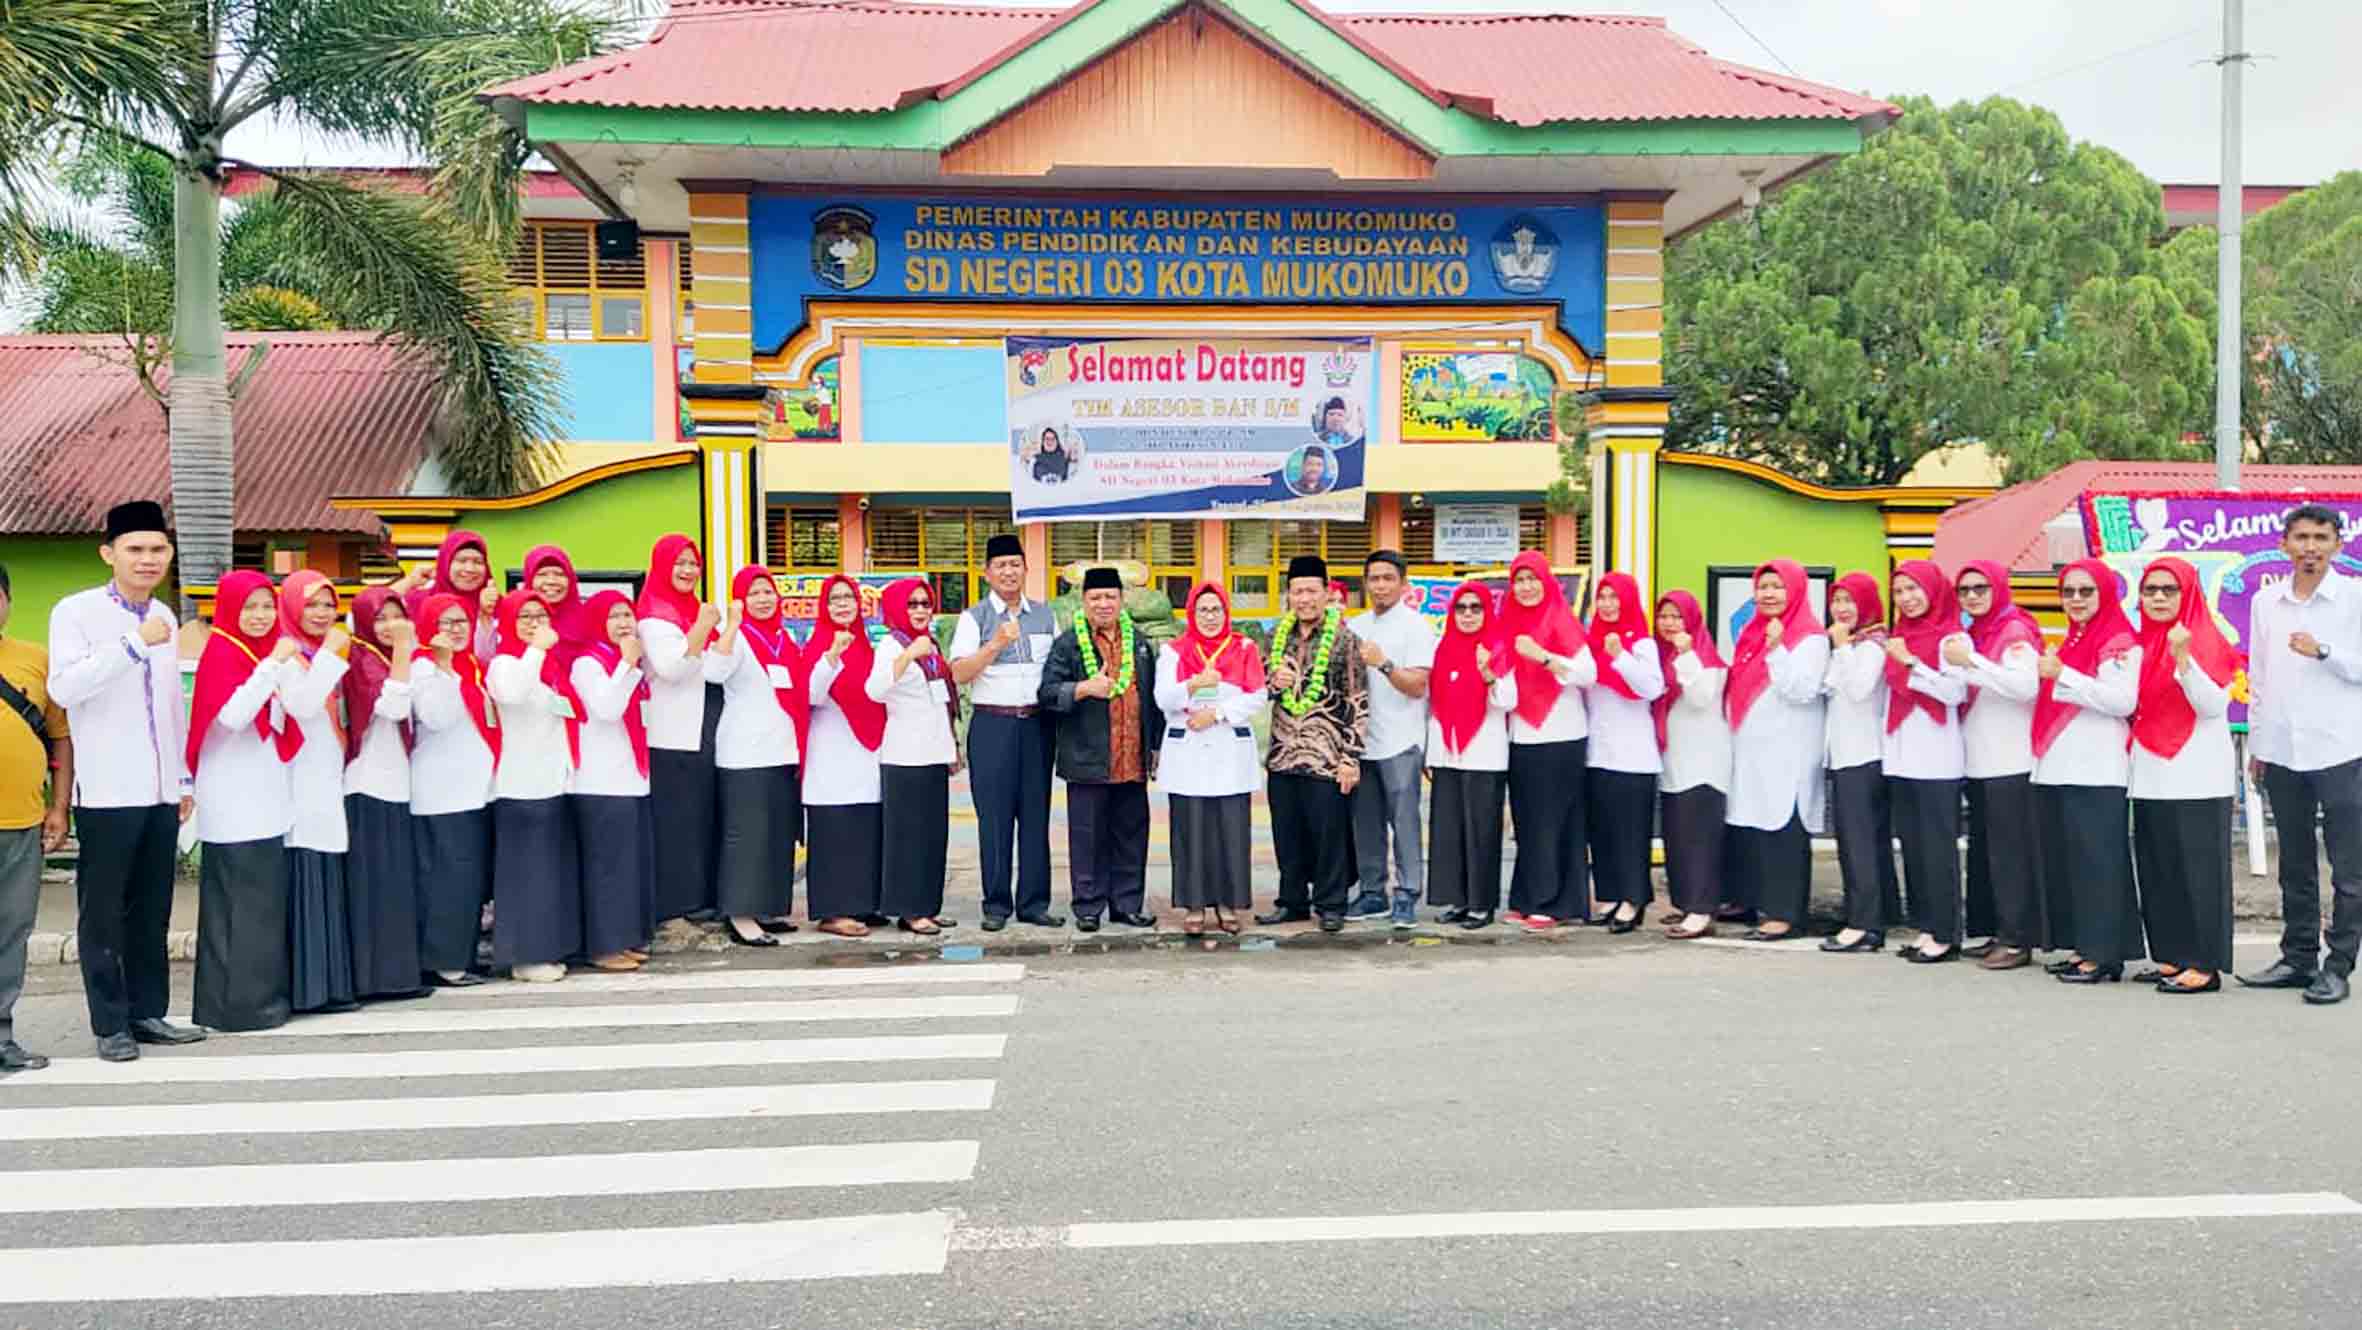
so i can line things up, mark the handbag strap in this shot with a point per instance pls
(25, 711)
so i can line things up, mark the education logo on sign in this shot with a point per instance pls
(1525, 254)
(844, 248)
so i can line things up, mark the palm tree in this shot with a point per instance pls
(170, 79)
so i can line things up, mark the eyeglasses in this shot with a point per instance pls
(1470, 608)
(2078, 592)
(1976, 588)
(2174, 590)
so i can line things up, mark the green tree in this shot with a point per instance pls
(1972, 275)
(425, 270)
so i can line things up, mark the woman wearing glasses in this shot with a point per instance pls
(2089, 684)
(2182, 778)
(1998, 657)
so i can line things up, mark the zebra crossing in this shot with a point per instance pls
(831, 1113)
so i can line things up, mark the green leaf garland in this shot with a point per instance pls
(1082, 638)
(1308, 691)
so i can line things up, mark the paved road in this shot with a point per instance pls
(1616, 1132)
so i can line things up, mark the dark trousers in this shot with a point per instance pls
(2086, 842)
(2005, 862)
(1617, 820)
(1464, 838)
(1009, 782)
(1311, 828)
(123, 892)
(1546, 798)
(1776, 868)
(1927, 820)
(2334, 795)
(1864, 824)
(2183, 849)
(1694, 838)
(1107, 846)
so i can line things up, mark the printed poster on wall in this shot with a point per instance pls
(1187, 428)
(1475, 532)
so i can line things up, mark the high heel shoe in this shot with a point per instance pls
(2061, 967)
(2103, 974)
(1617, 927)
(1476, 919)
(758, 940)
(1866, 942)
(1918, 957)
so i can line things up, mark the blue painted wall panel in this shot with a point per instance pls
(933, 394)
(610, 391)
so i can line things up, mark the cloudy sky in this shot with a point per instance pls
(2133, 74)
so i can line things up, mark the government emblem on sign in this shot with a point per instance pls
(844, 250)
(1525, 254)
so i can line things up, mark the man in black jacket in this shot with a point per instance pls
(1098, 685)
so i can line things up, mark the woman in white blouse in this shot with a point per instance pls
(536, 876)
(1210, 685)
(1773, 702)
(381, 864)
(2089, 685)
(1996, 657)
(1470, 692)
(1620, 785)
(614, 830)
(456, 743)
(916, 759)
(310, 688)
(239, 763)
(1549, 733)
(758, 757)
(1923, 754)
(684, 712)
(2183, 774)
(1859, 817)
(842, 818)
(1694, 789)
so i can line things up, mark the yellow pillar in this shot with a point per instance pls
(724, 400)
(1627, 418)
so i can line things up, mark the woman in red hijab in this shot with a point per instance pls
(916, 758)
(536, 873)
(843, 823)
(1471, 689)
(1997, 658)
(311, 688)
(1859, 817)
(238, 755)
(1694, 790)
(676, 629)
(1549, 734)
(614, 827)
(463, 571)
(1778, 740)
(381, 863)
(1620, 788)
(1210, 686)
(1922, 754)
(758, 753)
(2089, 684)
(456, 740)
(2182, 779)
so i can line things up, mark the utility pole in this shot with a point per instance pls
(2230, 346)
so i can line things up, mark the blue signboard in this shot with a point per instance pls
(1181, 249)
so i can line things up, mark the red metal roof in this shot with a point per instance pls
(2007, 527)
(2195, 205)
(327, 413)
(876, 55)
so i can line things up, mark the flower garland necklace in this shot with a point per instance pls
(1082, 638)
(1308, 691)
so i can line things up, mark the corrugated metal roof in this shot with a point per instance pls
(875, 55)
(328, 413)
(2007, 527)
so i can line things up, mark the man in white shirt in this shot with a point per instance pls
(2304, 737)
(997, 653)
(1398, 647)
(114, 668)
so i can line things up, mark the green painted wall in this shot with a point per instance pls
(608, 525)
(45, 570)
(1707, 517)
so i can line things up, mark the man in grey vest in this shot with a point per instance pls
(997, 654)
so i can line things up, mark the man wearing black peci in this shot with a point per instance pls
(1098, 687)
(1320, 719)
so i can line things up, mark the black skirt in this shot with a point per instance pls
(2184, 851)
(682, 798)
(1694, 837)
(1616, 821)
(319, 931)
(1212, 848)
(615, 841)
(1864, 826)
(762, 819)
(1774, 870)
(243, 978)
(841, 855)
(454, 881)
(536, 883)
(381, 896)
(917, 809)
(2086, 840)
(1546, 812)
(1464, 839)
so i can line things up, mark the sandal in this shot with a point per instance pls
(1194, 924)
(845, 928)
(1228, 922)
(619, 963)
(922, 927)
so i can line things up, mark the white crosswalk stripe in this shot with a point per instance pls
(819, 1126)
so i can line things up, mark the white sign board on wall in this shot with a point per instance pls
(1475, 532)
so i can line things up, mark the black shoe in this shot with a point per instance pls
(2061, 967)
(465, 980)
(1734, 914)
(1369, 906)
(1452, 914)
(1086, 923)
(403, 995)
(1866, 942)
(758, 940)
(1283, 915)
(1332, 923)
(334, 1008)
(993, 923)
(2280, 974)
(1043, 919)
(2105, 974)
(13, 1057)
(1475, 919)
(1918, 957)
(2213, 984)
(2329, 988)
(874, 920)
(157, 1030)
(1619, 926)
(1132, 919)
(118, 1047)
(1758, 935)
(778, 924)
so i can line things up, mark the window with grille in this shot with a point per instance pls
(687, 289)
(1168, 548)
(571, 294)
(1261, 551)
(803, 540)
(943, 545)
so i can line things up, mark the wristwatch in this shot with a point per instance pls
(2320, 651)
(1387, 669)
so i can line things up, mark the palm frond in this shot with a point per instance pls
(391, 262)
(84, 284)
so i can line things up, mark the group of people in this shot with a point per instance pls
(376, 784)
